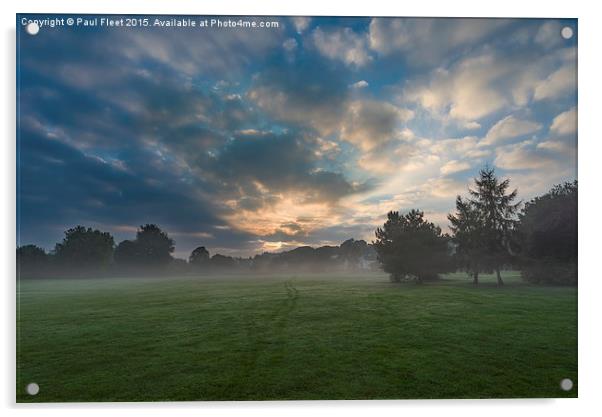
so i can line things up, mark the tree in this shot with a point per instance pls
(497, 217)
(85, 248)
(151, 248)
(154, 246)
(351, 252)
(126, 253)
(199, 257)
(410, 246)
(222, 261)
(468, 236)
(548, 236)
(31, 260)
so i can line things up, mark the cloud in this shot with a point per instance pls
(291, 206)
(560, 82)
(555, 146)
(546, 156)
(326, 148)
(387, 158)
(162, 134)
(360, 84)
(369, 123)
(308, 93)
(452, 146)
(95, 191)
(472, 125)
(175, 49)
(565, 123)
(301, 23)
(318, 98)
(256, 158)
(454, 166)
(509, 128)
(422, 41)
(290, 44)
(464, 92)
(443, 188)
(521, 156)
(342, 44)
(481, 84)
(548, 34)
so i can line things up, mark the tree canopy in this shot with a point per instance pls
(85, 248)
(152, 247)
(548, 236)
(199, 256)
(408, 246)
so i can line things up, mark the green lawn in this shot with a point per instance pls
(293, 337)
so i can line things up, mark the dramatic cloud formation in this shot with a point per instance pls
(247, 140)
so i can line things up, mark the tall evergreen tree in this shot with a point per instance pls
(497, 214)
(467, 229)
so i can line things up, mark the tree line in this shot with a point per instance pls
(490, 230)
(91, 252)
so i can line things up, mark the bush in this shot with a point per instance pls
(550, 271)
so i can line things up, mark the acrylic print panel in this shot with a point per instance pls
(295, 208)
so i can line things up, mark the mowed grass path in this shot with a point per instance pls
(293, 337)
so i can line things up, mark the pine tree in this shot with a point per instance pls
(466, 227)
(497, 212)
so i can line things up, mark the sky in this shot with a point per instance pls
(249, 140)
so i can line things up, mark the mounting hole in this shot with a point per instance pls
(566, 384)
(566, 32)
(32, 388)
(32, 28)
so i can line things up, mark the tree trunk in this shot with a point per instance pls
(475, 278)
(500, 281)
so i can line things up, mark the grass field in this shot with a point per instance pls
(293, 337)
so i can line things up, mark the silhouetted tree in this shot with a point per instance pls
(467, 228)
(151, 248)
(497, 214)
(199, 257)
(85, 248)
(126, 253)
(548, 236)
(409, 245)
(351, 251)
(31, 260)
(154, 247)
(325, 257)
(222, 261)
(301, 258)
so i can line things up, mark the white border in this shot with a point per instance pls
(590, 347)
